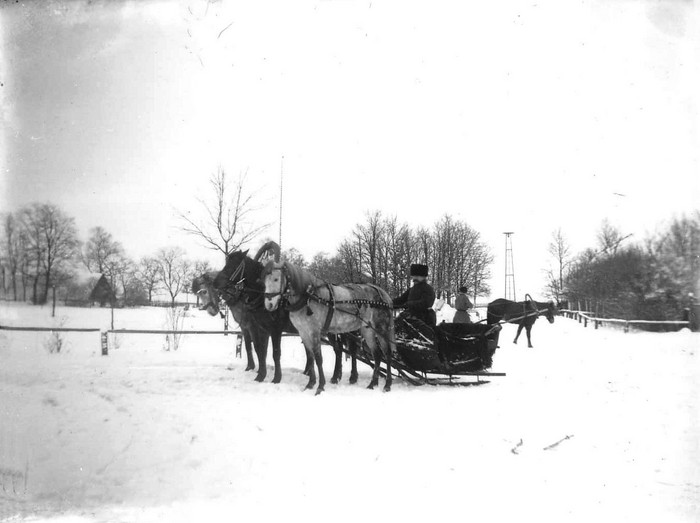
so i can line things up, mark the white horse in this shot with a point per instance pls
(317, 307)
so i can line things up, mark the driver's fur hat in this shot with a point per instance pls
(418, 269)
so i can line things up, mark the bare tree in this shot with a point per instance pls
(148, 273)
(101, 252)
(227, 224)
(293, 256)
(560, 250)
(125, 272)
(53, 238)
(609, 238)
(173, 271)
(14, 250)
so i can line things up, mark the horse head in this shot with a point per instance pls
(550, 312)
(203, 286)
(274, 276)
(228, 280)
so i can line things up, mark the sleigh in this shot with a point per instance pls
(440, 355)
(446, 351)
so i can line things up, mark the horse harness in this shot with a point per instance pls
(330, 303)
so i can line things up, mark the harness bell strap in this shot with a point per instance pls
(331, 308)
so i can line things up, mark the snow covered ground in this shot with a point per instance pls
(145, 435)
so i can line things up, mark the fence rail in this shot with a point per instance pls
(587, 316)
(47, 329)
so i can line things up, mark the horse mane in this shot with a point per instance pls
(300, 279)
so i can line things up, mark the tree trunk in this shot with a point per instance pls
(47, 280)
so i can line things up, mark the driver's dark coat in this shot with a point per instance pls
(418, 300)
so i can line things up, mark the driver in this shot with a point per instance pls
(419, 299)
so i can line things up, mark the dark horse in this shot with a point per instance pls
(524, 313)
(203, 286)
(240, 286)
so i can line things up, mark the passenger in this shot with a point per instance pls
(419, 299)
(462, 304)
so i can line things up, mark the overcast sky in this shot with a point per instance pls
(511, 115)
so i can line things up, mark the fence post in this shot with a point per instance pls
(105, 343)
(595, 323)
(627, 326)
(585, 322)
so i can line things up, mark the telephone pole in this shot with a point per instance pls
(281, 179)
(510, 271)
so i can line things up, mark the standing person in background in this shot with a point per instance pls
(420, 297)
(462, 304)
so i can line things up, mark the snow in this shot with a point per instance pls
(145, 434)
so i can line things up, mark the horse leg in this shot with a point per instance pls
(517, 334)
(276, 350)
(528, 328)
(338, 349)
(319, 363)
(386, 348)
(310, 371)
(353, 346)
(262, 339)
(248, 351)
(368, 336)
(309, 367)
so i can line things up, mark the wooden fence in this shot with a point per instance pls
(103, 333)
(587, 317)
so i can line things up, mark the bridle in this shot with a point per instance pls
(236, 282)
(283, 292)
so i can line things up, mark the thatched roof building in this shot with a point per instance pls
(103, 292)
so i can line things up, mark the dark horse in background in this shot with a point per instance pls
(523, 313)
(203, 286)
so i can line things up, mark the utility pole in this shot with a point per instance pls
(281, 186)
(510, 271)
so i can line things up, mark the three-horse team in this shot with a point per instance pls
(271, 299)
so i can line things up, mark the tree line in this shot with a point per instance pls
(41, 251)
(648, 279)
(381, 250)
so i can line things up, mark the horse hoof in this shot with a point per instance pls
(277, 380)
(387, 388)
(249, 368)
(259, 378)
(318, 391)
(370, 386)
(334, 381)
(353, 380)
